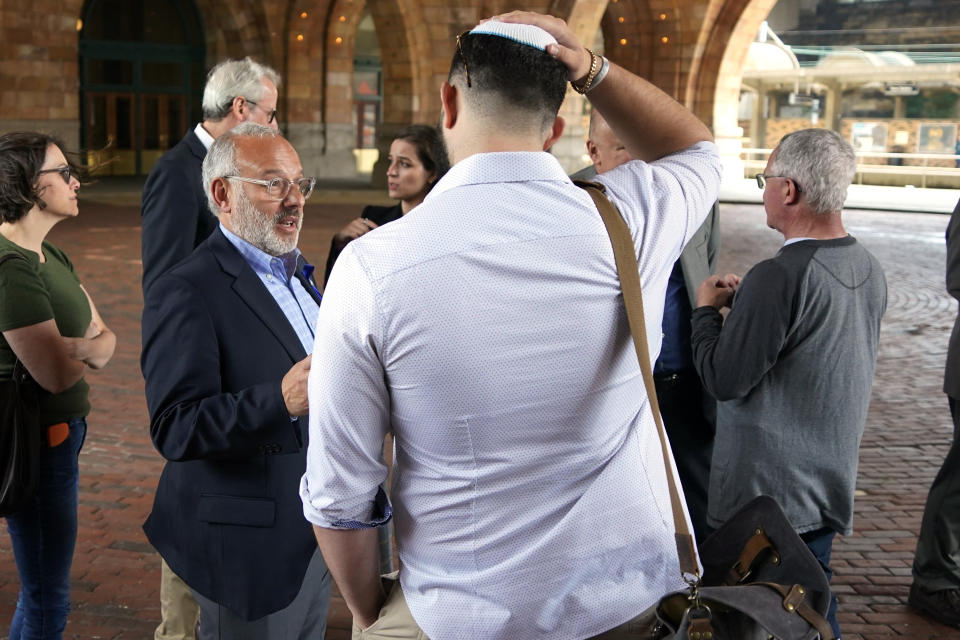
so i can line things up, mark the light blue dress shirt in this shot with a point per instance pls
(277, 275)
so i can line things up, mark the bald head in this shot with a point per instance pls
(605, 149)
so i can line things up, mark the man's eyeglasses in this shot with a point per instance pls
(279, 188)
(762, 180)
(64, 172)
(463, 58)
(271, 115)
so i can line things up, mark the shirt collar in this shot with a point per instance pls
(204, 135)
(500, 167)
(281, 266)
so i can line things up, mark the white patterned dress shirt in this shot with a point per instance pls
(487, 331)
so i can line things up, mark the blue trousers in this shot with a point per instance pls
(820, 543)
(43, 537)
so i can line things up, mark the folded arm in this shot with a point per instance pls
(96, 347)
(42, 351)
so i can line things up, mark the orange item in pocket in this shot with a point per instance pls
(57, 433)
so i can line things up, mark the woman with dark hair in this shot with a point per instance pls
(417, 160)
(49, 323)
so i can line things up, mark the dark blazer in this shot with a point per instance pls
(951, 378)
(376, 214)
(176, 216)
(227, 515)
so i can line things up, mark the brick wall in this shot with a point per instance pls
(38, 67)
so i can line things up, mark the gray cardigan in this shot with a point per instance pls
(792, 367)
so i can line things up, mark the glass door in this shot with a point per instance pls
(110, 133)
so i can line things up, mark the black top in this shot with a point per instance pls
(373, 213)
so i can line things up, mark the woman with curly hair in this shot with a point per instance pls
(49, 323)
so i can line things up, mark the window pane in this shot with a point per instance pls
(124, 106)
(176, 127)
(163, 74)
(118, 72)
(151, 122)
(97, 121)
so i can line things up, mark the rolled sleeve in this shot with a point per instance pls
(349, 407)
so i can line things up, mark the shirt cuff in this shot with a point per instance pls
(381, 513)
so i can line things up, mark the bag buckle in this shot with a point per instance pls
(794, 598)
(699, 627)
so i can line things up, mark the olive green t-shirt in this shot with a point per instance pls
(32, 292)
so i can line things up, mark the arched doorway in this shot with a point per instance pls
(141, 76)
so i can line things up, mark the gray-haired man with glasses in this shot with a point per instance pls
(227, 337)
(792, 365)
(174, 208)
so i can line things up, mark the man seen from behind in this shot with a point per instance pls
(487, 333)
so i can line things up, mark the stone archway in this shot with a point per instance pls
(716, 79)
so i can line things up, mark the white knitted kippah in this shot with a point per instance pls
(523, 33)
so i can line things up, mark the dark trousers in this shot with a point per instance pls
(43, 536)
(936, 565)
(820, 543)
(684, 406)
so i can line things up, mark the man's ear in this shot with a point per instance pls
(218, 188)
(792, 194)
(448, 99)
(555, 132)
(593, 151)
(240, 108)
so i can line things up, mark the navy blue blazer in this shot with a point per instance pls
(175, 214)
(227, 515)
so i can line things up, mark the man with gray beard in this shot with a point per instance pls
(227, 335)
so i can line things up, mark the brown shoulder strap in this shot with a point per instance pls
(625, 256)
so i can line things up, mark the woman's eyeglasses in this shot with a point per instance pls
(64, 172)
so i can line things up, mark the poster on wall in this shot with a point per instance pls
(869, 136)
(937, 138)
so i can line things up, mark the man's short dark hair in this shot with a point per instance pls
(520, 76)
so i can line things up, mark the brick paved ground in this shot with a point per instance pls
(116, 573)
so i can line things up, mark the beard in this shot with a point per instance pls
(259, 229)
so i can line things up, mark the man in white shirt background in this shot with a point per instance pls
(487, 333)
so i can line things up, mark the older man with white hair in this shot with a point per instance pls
(174, 207)
(792, 366)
